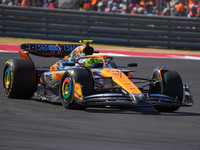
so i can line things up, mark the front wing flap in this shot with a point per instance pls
(117, 99)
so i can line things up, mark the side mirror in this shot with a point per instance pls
(132, 65)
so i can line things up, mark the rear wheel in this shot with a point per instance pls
(67, 86)
(173, 87)
(19, 78)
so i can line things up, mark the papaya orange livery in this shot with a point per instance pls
(24, 55)
(121, 79)
(82, 78)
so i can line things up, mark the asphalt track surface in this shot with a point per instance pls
(33, 124)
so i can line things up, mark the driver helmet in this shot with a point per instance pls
(93, 63)
(76, 54)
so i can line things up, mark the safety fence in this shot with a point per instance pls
(104, 28)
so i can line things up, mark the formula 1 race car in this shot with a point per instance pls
(81, 79)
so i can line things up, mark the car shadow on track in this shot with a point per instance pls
(48, 102)
(138, 111)
(126, 110)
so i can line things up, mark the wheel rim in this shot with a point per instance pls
(7, 78)
(66, 88)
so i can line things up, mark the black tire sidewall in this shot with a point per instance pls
(172, 84)
(23, 78)
(84, 77)
(8, 91)
(76, 75)
(68, 74)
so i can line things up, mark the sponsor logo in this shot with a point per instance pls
(137, 94)
(43, 47)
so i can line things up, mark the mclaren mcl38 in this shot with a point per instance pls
(82, 78)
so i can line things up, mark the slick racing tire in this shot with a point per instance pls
(173, 87)
(67, 84)
(19, 78)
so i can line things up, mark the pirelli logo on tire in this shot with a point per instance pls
(70, 72)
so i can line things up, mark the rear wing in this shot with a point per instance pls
(47, 50)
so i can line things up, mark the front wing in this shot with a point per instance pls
(118, 99)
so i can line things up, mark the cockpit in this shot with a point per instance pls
(91, 62)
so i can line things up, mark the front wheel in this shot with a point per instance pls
(67, 86)
(173, 87)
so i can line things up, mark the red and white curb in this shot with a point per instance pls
(13, 48)
(150, 54)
